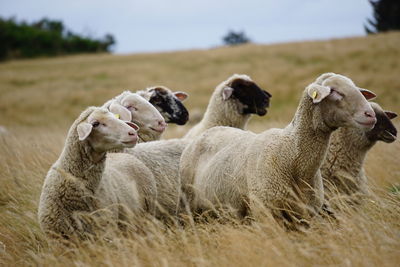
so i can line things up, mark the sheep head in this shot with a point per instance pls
(169, 104)
(253, 99)
(384, 130)
(105, 132)
(341, 102)
(141, 112)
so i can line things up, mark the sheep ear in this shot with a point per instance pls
(323, 77)
(107, 104)
(153, 92)
(227, 93)
(84, 129)
(367, 93)
(181, 95)
(318, 92)
(391, 115)
(123, 112)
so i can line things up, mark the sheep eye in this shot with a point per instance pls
(131, 108)
(95, 124)
(339, 93)
(157, 98)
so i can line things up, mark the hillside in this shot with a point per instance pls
(39, 99)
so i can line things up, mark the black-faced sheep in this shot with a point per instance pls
(342, 169)
(232, 104)
(168, 103)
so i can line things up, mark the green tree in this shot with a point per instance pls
(386, 16)
(46, 37)
(235, 38)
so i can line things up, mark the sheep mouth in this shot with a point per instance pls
(367, 124)
(388, 137)
(158, 130)
(130, 142)
(262, 112)
(180, 120)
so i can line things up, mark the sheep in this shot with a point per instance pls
(168, 103)
(279, 168)
(162, 158)
(82, 181)
(342, 171)
(232, 103)
(141, 112)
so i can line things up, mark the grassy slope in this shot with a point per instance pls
(40, 98)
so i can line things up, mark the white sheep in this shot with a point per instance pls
(133, 107)
(228, 167)
(232, 103)
(80, 182)
(168, 103)
(342, 170)
(162, 159)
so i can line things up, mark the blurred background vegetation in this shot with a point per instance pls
(386, 16)
(46, 37)
(49, 37)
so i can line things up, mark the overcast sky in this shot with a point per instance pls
(164, 25)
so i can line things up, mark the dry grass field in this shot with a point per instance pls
(39, 99)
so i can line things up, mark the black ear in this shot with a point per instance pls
(390, 114)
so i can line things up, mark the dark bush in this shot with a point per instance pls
(45, 38)
(235, 38)
(386, 16)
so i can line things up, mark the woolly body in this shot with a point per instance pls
(279, 167)
(342, 169)
(162, 159)
(80, 182)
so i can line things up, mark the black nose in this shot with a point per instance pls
(267, 94)
(393, 131)
(261, 112)
(266, 102)
(180, 118)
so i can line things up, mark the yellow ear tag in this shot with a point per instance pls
(314, 95)
(117, 116)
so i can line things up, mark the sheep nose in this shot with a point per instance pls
(131, 133)
(162, 123)
(369, 114)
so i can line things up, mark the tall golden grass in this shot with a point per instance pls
(39, 99)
